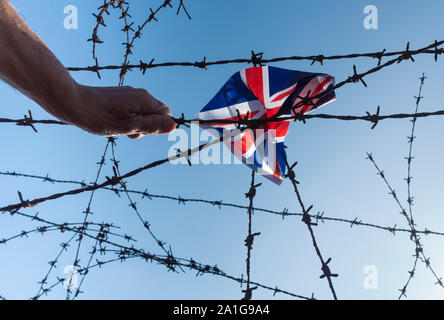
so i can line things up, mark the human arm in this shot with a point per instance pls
(28, 65)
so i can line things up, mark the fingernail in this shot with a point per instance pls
(135, 136)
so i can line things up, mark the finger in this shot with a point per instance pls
(151, 105)
(154, 124)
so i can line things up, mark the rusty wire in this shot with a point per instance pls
(414, 237)
(254, 59)
(408, 180)
(306, 218)
(124, 251)
(243, 124)
(319, 217)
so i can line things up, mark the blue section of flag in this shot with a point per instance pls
(234, 92)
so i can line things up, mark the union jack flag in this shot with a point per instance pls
(260, 93)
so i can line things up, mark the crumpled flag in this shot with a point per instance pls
(260, 93)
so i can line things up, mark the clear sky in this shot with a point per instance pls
(334, 175)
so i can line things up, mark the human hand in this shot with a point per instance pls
(111, 111)
(28, 65)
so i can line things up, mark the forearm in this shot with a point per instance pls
(27, 64)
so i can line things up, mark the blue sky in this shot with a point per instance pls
(334, 175)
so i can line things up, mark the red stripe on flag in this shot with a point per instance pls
(255, 82)
(280, 128)
(244, 143)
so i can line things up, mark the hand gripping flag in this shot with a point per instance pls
(261, 93)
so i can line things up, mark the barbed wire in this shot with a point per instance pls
(180, 200)
(409, 158)
(74, 228)
(123, 6)
(133, 205)
(87, 212)
(243, 123)
(408, 180)
(306, 218)
(372, 118)
(419, 250)
(255, 59)
(53, 263)
(48, 228)
(247, 122)
(124, 251)
(414, 236)
(137, 34)
(250, 237)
